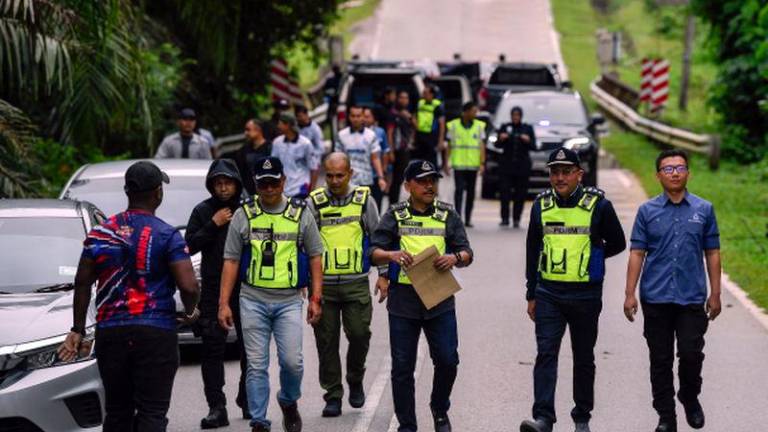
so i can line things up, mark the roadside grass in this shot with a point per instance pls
(305, 64)
(739, 193)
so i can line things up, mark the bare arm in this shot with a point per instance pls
(376, 162)
(189, 289)
(228, 279)
(634, 267)
(84, 279)
(714, 271)
(314, 309)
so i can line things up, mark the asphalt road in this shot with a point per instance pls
(497, 347)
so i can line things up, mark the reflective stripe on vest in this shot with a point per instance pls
(341, 228)
(425, 117)
(465, 144)
(417, 233)
(567, 247)
(274, 246)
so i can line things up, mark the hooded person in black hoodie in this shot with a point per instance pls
(207, 233)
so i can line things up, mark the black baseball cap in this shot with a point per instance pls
(144, 176)
(187, 113)
(268, 167)
(563, 156)
(418, 168)
(282, 104)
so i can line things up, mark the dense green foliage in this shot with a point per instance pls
(739, 37)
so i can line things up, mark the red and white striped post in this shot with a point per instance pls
(646, 75)
(659, 85)
(284, 86)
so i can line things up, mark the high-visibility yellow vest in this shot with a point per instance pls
(274, 240)
(341, 228)
(465, 144)
(425, 115)
(417, 233)
(567, 248)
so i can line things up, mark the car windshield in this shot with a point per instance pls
(180, 196)
(368, 89)
(38, 253)
(543, 110)
(524, 77)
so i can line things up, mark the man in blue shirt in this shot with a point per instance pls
(138, 261)
(673, 234)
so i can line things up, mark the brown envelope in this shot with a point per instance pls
(431, 285)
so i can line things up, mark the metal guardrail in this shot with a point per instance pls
(708, 145)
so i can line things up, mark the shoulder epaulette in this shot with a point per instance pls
(442, 205)
(399, 206)
(401, 212)
(591, 196)
(360, 195)
(442, 209)
(319, 198)
(594, 191)
(547, 199)
(294, 209)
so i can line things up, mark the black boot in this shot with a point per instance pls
(536, 425)
(243, 404)
(332, 408)
(694, 414)
(216, 418)
(667, 425)
(356, 395)
(442, 422)
(291, 417)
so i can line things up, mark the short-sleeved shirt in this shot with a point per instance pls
(298, 158)
(314, 134)
(359, 146)
(133, 252)
(675, 237)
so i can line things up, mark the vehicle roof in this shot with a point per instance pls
(524, 65)
(172, 167)
(386, 71)
(43, 207)
(550, 94)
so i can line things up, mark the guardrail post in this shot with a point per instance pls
(714, 152)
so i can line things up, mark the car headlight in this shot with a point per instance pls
(576, 144)
(43, 353)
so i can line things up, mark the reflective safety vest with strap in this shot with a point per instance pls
(465, 144)
(425, 115)
(567, 247)
(274, 241)
(341, 228)
(417, 233)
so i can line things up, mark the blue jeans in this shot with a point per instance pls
(552, 316)
(260, 321)
(442, 337)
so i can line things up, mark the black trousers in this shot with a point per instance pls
(663, 324)
(515, 188)
(213, 352)
(402, 157)
(137, 365)
(552, 316)
(464, 181)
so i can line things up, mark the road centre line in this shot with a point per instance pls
(419, 366)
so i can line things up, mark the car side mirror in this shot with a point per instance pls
(567, 84)
(597, 119)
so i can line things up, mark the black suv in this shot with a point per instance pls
(559, 118)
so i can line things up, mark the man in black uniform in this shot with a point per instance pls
(256, 146)
(405, 230)
(207, 233)
(571, 232)
(516, 139)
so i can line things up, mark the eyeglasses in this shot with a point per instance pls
(669, 169)
(267, 183)
(562, 171)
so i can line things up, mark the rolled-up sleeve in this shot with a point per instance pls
(711, 231)
(639, 238)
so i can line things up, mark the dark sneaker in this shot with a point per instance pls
(442, 422)
(582, 427)
(332, 408)
(291, 417)
(356, 395)
(537, 425)
(667, 425)
(260, 428)
(694, 414)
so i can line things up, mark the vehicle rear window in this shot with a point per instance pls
(367, 90)
(449, 89)
(530, 77)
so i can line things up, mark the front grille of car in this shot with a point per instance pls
(85, 409)
(18, 424)
(551, 145)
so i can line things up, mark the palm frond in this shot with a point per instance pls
(17, 135)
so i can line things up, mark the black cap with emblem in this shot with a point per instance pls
(418, 168)
(563, 156)
(268, 167)
(144, 176)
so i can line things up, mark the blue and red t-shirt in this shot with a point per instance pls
(133, 251)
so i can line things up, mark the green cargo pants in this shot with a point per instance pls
(348, 304)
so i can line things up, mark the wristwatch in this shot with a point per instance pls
(458, 257)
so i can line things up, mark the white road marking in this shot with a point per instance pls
(374, 396)
(419, 366)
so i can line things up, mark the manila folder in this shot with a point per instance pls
(432, 286)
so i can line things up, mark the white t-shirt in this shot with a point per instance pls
(359, 146)
(298, 160)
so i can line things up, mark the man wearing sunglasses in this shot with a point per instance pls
(405, 230)
(347, 216)
(674, 234)
(572, 231)
(280, 240)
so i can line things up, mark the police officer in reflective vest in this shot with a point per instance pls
(405, 230)
(275, 240)
(347, 216)
(572, 231)
(430, 126)
(466, 153)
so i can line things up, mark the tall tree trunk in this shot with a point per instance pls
(690, 31)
